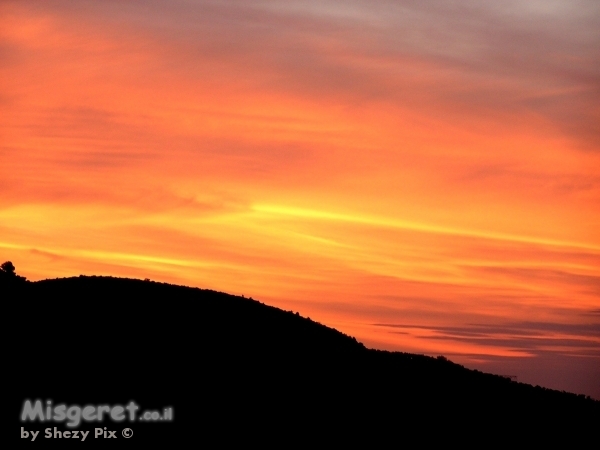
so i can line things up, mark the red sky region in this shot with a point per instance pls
(424, 177)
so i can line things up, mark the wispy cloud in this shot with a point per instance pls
(402, 162)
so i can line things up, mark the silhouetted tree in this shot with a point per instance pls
(8, 273)
(8, 268)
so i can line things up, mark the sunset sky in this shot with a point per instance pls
(423, 175)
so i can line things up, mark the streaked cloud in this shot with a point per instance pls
(363, 162)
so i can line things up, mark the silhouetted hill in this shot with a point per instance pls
(236, 370)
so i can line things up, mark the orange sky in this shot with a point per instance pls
(423, 177)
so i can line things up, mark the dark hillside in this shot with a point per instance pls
(239, 370)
